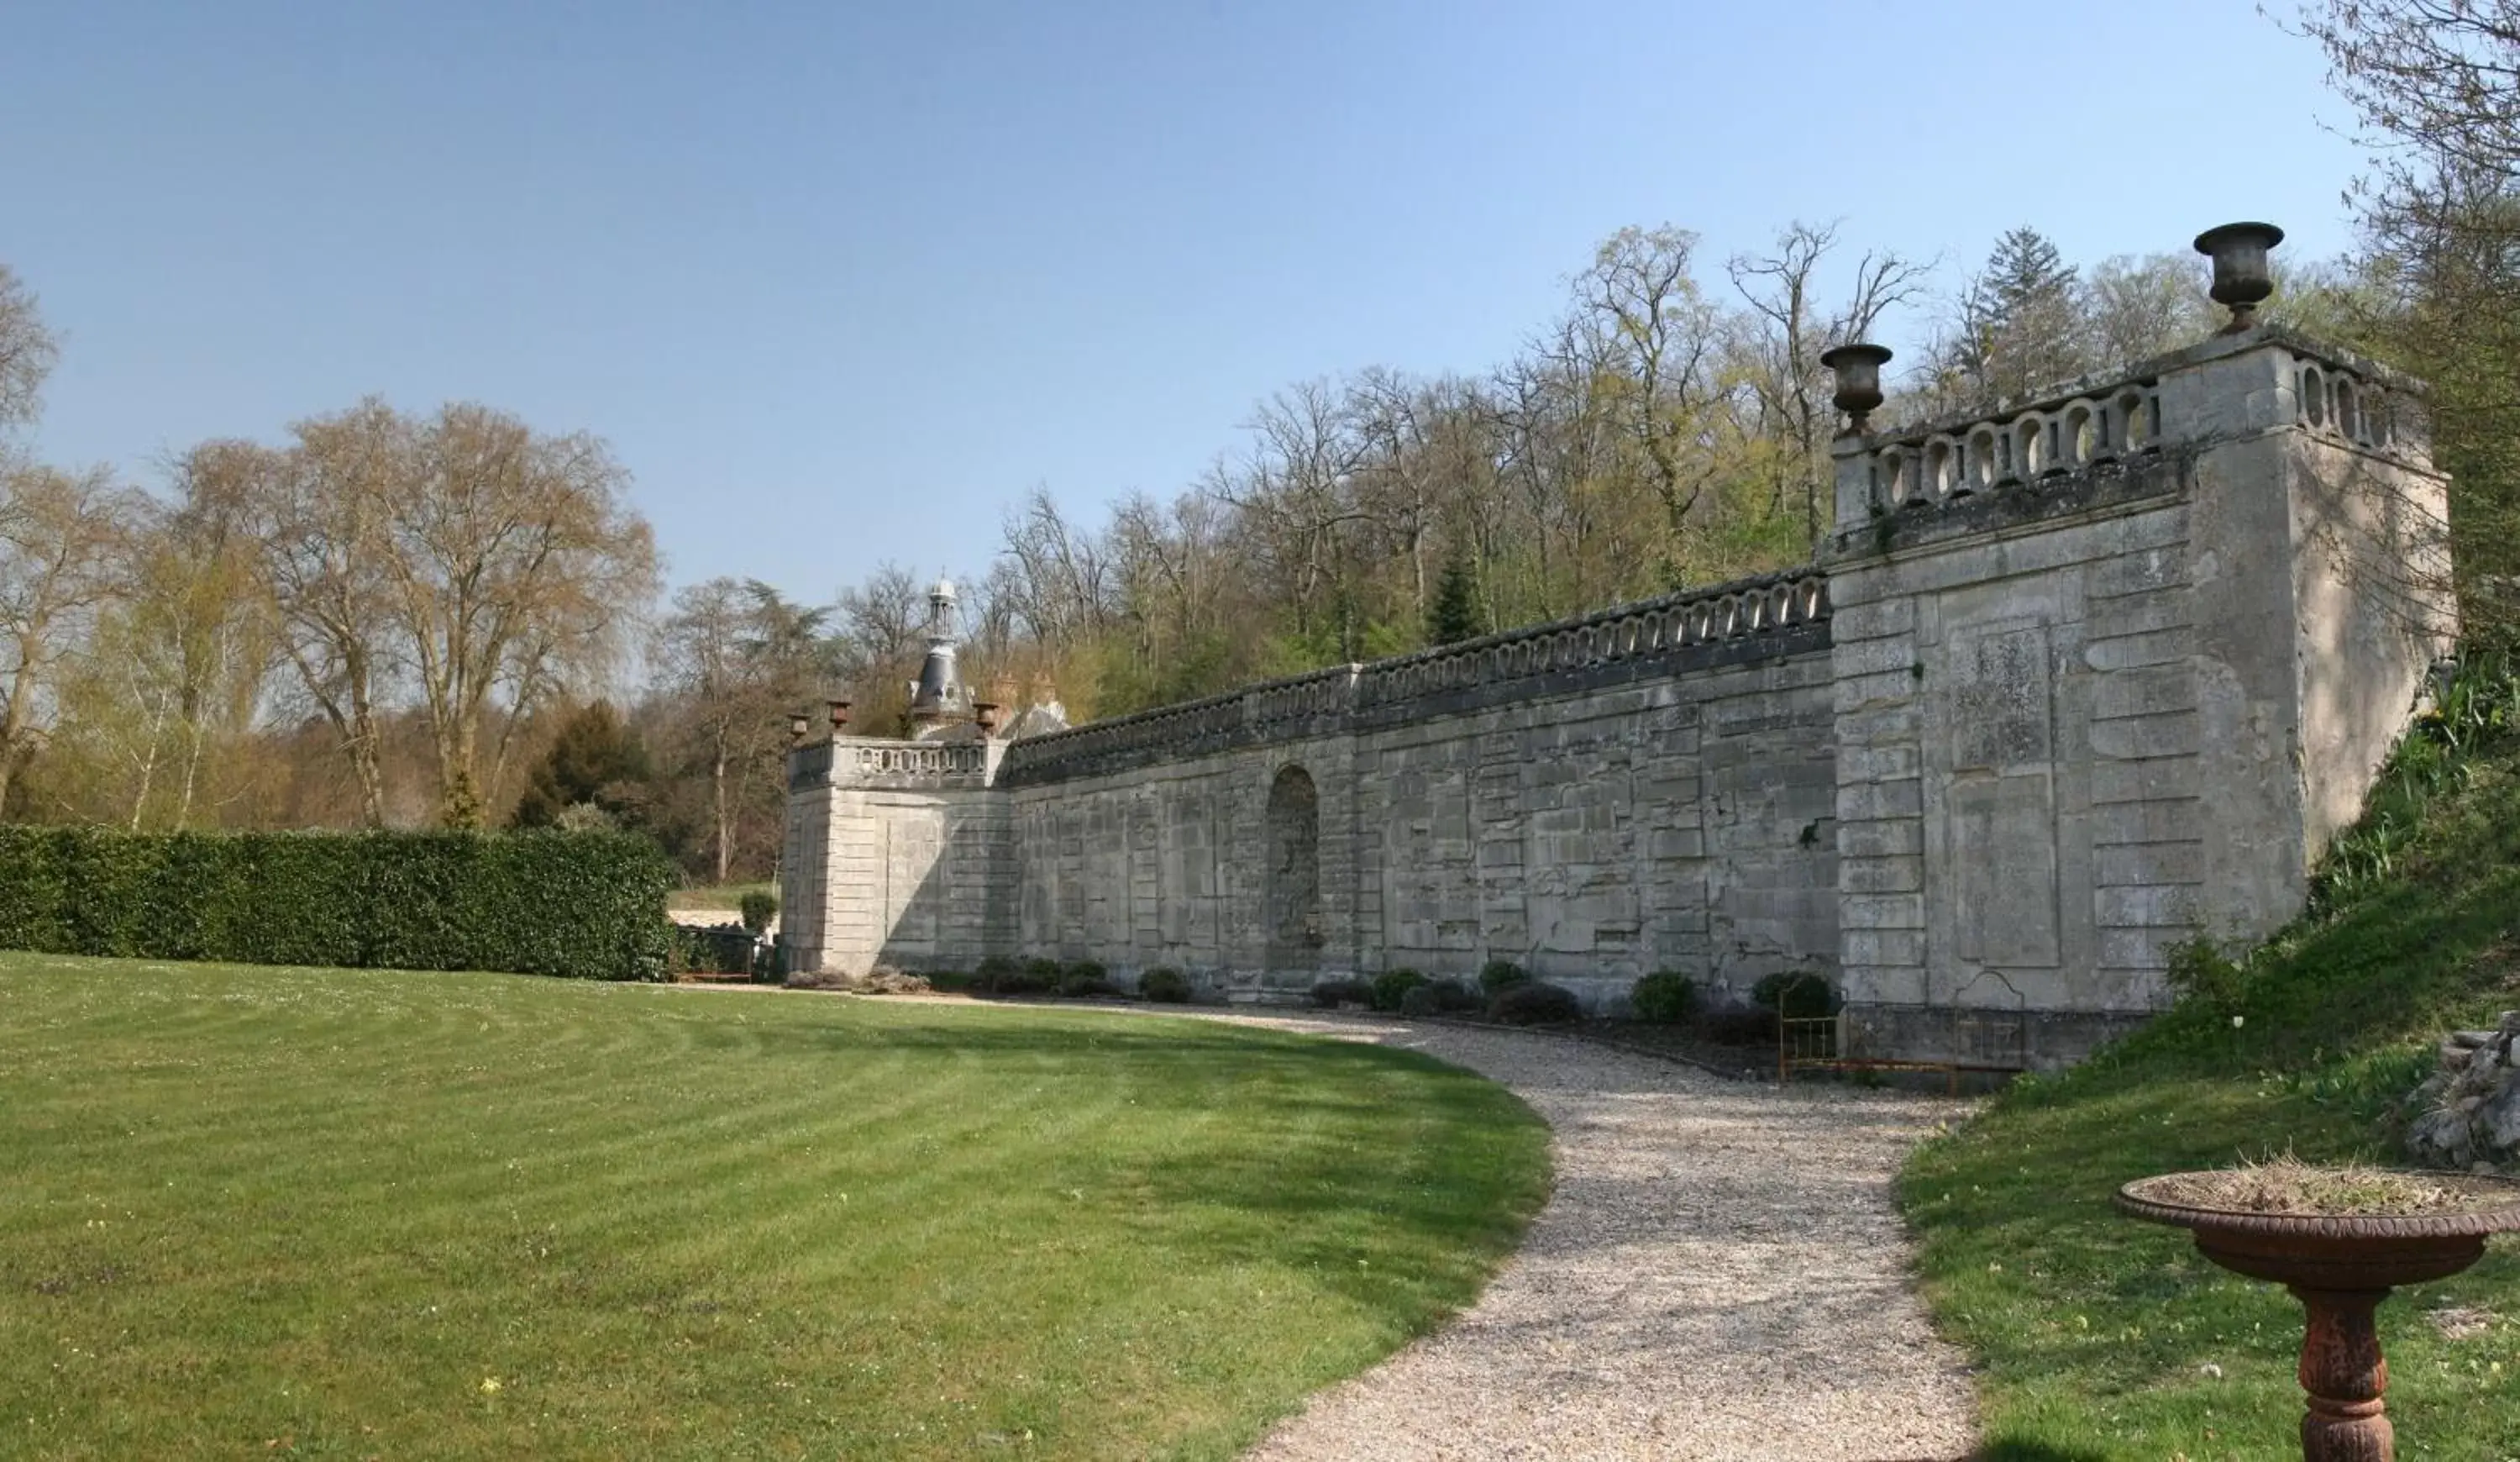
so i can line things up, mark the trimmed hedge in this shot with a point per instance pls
(1392, 987)
(1498, 976)
(1665, 997)
(1532, 1003)
(714, 950)
(587, 905)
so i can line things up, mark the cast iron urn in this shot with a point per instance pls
(1858, 379)
(2241, 276)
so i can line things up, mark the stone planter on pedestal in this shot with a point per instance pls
(2340, 1267)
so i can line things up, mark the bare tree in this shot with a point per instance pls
(1646, 319)
(877, 643)
(178, 660)
(2142, 308)
(1788, 330)
(64, 542)
(2436, 84)
(26, 352)
(1061, 582)
(737, 656)
(516, 572)
(320, 510)
(210, 613)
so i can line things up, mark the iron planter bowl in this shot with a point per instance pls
(2339, 1251)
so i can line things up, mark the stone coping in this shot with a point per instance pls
(1323, 700)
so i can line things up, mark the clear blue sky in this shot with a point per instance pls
(841, 281)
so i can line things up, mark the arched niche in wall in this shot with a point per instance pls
(1293, 828)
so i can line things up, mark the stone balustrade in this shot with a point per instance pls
(1653, 626)
(1676, 622)
(2339, 402)
(873, 761)
(886, 758)
(1955, 459)
(2278, 380)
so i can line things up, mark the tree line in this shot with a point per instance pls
(393, 618)
(1668, 428)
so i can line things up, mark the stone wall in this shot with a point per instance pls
(2071, 684)
(1666, 810)
(896, 854)
(2111, 669)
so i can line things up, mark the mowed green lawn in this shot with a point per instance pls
(341, 1213)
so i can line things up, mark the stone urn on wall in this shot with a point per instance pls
(2340, 1240)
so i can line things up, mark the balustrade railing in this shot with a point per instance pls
(856, 758)
(1948, 462)
(1655, 626)
(2102, 421)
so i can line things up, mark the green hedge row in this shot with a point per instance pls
(589, 905)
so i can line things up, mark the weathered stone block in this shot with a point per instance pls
(1879, 763)
(2143, 572)
(1882, 946)
(2139, 613)
(1873, 656)
(2131, 651)
(2151, 690)
(1889, 688)
(1880, 875)
(1880, 911)
(1887, 838)
(2177, 821)
(2138, 907)
(1871, 802)
(1865, 622)
(2148, 863)
(2172, 734)
(2157, 779)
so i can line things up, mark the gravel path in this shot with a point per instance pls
(1720, 1274)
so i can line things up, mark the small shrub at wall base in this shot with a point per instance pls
(589, 904)
(1391, 987)
(1165, 986)
(1076, 987)
(1795, 995)
(2199, 973)
(989, 973)
(717, 949)
(1665, 997)
(1440, 997)
(1532, 1003)
(1330, 994)
(1032, 977)
(759, 907)
(1498, 975)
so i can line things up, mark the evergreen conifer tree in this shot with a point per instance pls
(595, 760)
(1453, 614)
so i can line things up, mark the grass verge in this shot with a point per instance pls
(2097, 1337)
(326, 1213)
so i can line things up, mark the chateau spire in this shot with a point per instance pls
(940, 694)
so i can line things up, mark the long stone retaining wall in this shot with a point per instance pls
(2071, 684)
